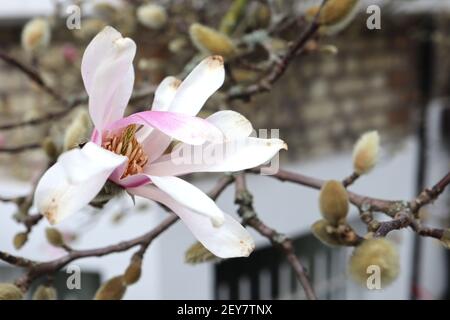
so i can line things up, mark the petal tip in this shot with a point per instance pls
(215, 61)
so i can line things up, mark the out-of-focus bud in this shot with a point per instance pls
(152, 16)
(329, 49)
(9, 291)
(133, 272)
(78, 131)
(259, 15)
(333, 201)
(36, 35)
(20, 239)
(89, 29)
(105, 10)
(54, 237)
(445, 240)
(335, 15)
(210, 41)
(376, 253)
(177, 45)
(113, 289)
(320, 230)
(197, 253)
(45, 293)
(48, 145)
(365, 152)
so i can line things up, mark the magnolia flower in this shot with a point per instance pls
(130, 151)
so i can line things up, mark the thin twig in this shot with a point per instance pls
(244, 200)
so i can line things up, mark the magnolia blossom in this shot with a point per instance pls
(132, 151)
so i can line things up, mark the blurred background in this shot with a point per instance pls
(394, 80)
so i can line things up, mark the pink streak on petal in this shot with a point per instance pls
(96, 137)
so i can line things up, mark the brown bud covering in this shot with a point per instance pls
(54, 237)
(9, 291)
(20, 239)
(333, 201)
(113, 289)
(320, 230)
(133, 272)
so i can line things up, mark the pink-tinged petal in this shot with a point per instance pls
(191, 197)
(155, 145)
(231, 156)
(134, 181)
(157, 141)
(227, 241)
(108, 75)
(232, 124)
(73, 181)
(191, 130)
(206, 78)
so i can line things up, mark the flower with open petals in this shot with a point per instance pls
(132, 151)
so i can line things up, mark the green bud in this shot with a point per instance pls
(45, 293)
(197, 253)
(113, 289)
(54, 237)
(20, 239)
(133, 272)
(9, 291)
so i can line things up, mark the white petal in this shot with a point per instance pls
(81, 164)
(227, 241)
(191, 197)
(231, 156)
(108, 75)
(165, 93)
(199, 85)
(73, 181)
(232, 124)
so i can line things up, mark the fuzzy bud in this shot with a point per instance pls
(49, 147)
(445, 240)
(152, 16)
(365, 152)
(197, 253)
(113, 289)
(45, 293)
(54, 237)
(36, 35)
(320, 229)
(20, 239)
(9, 291)
(210, 41)
(333, 201)
(133, 272)
(335, 15)
(378, 252)
(78, 131)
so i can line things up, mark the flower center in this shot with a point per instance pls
(126, 144)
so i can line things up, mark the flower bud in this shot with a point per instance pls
(20, 239)
(9, 291)
(113, 289)
(49, 147)
(445, 240)
(152, 16)
(377, 252)
(89, 29)
(197, 253)
(210, 41)
(54, 237)
(320, 230)
(78, 131)
(36, 35)
(45, 293)
(335, 15)
(333, 201)
(133, 272)
(365, 152)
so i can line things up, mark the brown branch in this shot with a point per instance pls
(244, 199)
(428, 195)
(32, 74)
(350, 179)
